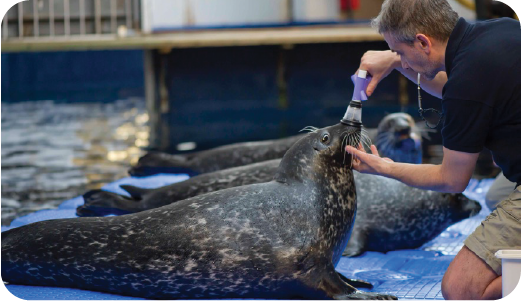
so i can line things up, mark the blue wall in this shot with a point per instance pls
(72, 76)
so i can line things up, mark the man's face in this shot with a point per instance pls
(413, 57)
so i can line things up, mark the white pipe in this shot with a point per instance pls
(82, 17)
(51, 18)
(67, 16)
(20, 19)
(36, 24)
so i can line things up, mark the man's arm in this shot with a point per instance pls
(381, 63)
(452, 175)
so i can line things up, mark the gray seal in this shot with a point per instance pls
(397, 137)
(391, 215)
(214, 159)
(276, 240)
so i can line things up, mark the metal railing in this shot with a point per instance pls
(54, 18)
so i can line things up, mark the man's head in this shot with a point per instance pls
(418, 30)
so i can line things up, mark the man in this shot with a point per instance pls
(476, 70)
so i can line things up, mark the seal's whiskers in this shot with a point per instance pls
(310, 129)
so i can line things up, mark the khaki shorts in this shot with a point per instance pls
(501, 230)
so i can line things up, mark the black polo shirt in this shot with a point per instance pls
(482, 97)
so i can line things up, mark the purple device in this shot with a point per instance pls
(353, 116)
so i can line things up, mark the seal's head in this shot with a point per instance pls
(462, 205)
(399, 139)
(319, 152)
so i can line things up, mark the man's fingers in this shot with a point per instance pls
(372, 85)
(374, 150)
(355, 152)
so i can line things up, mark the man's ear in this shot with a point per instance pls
(424, 43)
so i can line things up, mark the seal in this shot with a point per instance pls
(417, 215)
(276, 240)
(100, 203)
(214, 159)
(397, 137)
(393, 216)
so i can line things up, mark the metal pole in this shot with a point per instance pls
(20, 19)
(36, 25)
(97, 15)
(67, 16)
(51, 18)
(128, 14)
(5, 32)
(82, 17)
(113, 15)
(135, 13)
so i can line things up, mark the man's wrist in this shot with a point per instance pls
(385, 169)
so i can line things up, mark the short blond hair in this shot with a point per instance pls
(406, 18)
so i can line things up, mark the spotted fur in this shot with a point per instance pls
(279, 239)
(391, 215)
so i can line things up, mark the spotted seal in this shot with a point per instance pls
(276, 240)
(417, 215)
(397, 137)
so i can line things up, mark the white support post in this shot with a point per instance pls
(20, 20)
(51, 18)
(36, 23)
(82, 17)
(67, 17)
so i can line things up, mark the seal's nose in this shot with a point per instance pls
(402, 127)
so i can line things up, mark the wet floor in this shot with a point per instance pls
(52, 151)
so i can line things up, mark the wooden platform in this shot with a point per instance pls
(199, 38)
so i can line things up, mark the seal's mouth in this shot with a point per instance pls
(354, 137)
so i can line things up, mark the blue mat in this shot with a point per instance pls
(407, 274)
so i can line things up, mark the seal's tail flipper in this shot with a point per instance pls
(334, 286)
(155, 163)
(101, 203)
(135, 192)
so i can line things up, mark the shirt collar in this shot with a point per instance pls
(454, 41)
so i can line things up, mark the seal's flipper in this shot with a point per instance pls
(355, 282)
(101, 203)
(334, 287)
(135, 192)
(357, 243)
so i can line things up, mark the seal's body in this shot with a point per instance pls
(417, 215)
(393, 216)
(218, 158)
(397, 137)
(279, 239)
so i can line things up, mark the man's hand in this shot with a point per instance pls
(379, 64)
(368, 163)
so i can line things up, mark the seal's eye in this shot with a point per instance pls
(325, 138)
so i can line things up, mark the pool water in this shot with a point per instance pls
(53, 151)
